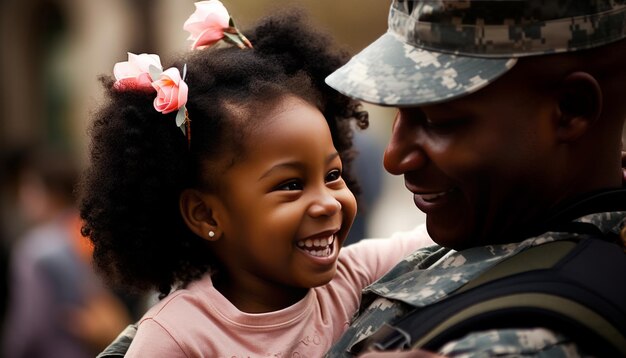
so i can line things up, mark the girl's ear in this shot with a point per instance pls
(580, 104)
(199, 211)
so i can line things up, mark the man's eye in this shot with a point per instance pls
(333, 175)
(290, 185)
(447, 125)
(436, 125)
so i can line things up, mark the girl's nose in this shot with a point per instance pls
(404, 153)
(324, 204)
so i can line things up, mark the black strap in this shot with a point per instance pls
(563, 282)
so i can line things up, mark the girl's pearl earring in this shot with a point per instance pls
(211, 233)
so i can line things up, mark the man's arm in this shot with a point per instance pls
(537, 342)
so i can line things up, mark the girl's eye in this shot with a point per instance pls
(290, 185)
(333, 175)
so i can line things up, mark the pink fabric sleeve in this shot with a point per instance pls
(152, 340)
(367, 260)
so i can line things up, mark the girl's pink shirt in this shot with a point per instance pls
(199, 322)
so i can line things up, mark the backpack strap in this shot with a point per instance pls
(573, 287)
(120, 344)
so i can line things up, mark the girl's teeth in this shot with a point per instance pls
(320, 253)
(322, 247)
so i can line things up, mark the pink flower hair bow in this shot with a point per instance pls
(144, 72)
(211, 23)
(171, 94)
(134, 74)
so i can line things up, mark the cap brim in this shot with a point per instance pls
(390, 72)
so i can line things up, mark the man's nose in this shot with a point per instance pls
(404, 152)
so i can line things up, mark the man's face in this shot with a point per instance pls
(482, 165)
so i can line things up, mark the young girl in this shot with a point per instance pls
(237, 197)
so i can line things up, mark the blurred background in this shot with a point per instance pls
(52, 52)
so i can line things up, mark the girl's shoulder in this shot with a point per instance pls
(195, 296)
(170, 302)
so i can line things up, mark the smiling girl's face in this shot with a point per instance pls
(286, 208)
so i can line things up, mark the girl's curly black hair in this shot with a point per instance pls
(140, 161)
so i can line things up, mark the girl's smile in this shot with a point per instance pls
(321, 247)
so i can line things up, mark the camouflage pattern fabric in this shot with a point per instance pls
(119, 346)
(433, 273)
(436, 50)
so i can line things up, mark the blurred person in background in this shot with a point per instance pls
(4, 252)
(56, 305)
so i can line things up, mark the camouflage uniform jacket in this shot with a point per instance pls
(431, 274)
(120, 345)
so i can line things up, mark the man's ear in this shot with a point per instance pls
(580, 104)
(200, 213)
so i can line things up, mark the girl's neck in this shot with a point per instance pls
(256, 297)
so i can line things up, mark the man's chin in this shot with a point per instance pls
(450, 236)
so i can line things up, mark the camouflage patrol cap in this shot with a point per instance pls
(436, 50)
